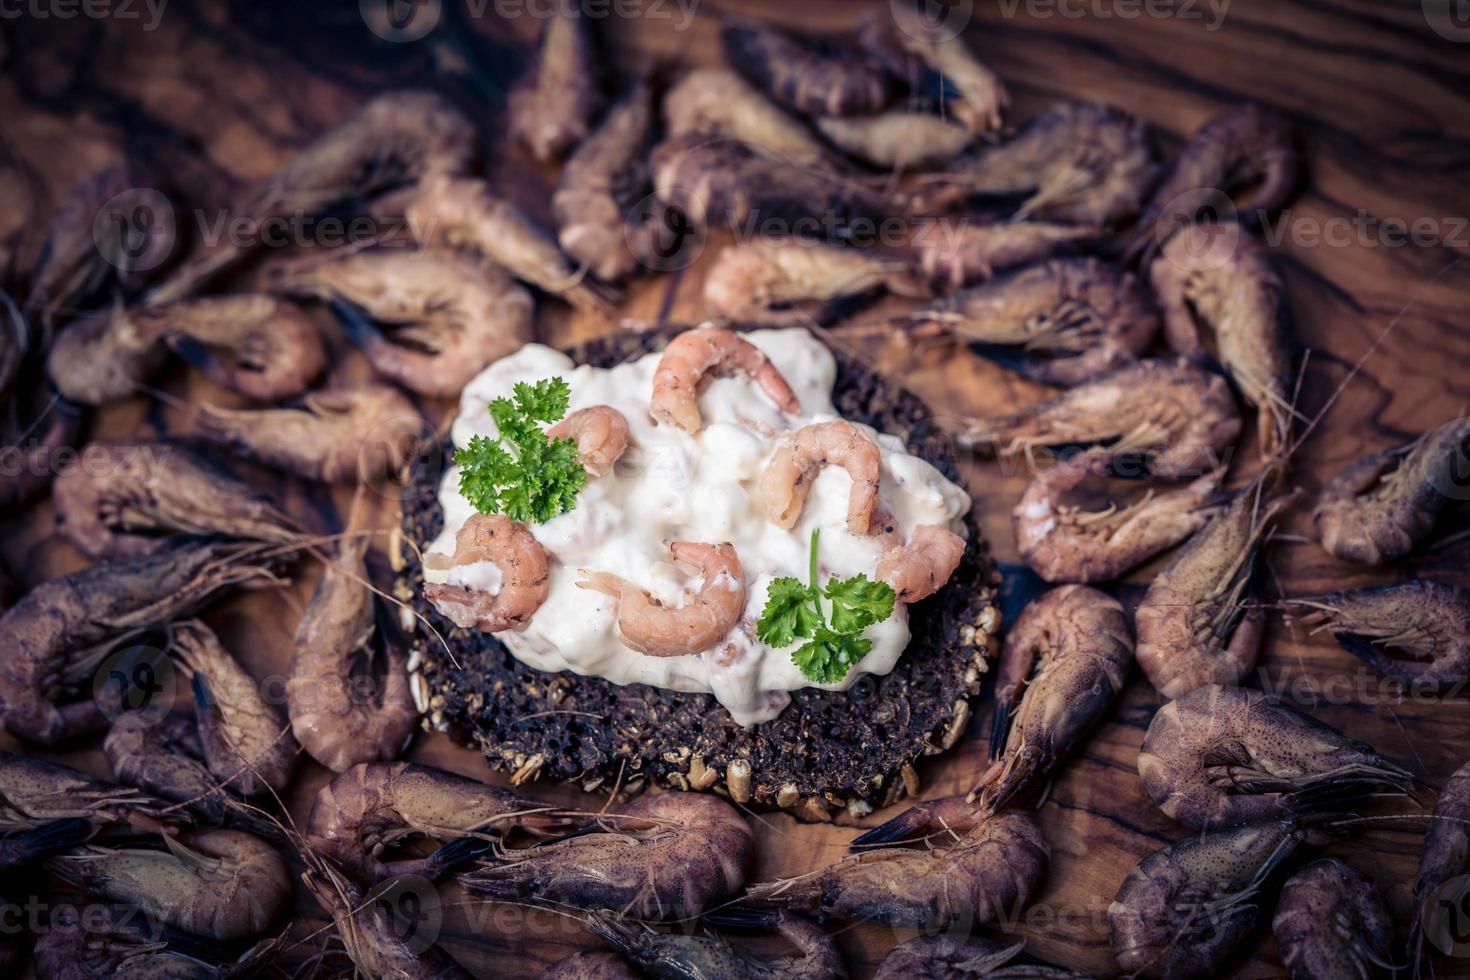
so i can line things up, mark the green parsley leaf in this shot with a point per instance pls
(789, 613)
(858, 603)
(523, 474)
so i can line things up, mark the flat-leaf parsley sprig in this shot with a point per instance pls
(794, 612)
(523, 474)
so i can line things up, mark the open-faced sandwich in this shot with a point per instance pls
(727, 561)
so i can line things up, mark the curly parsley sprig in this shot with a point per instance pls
(794, 612)
(523, 474)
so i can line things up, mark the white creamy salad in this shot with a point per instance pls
(671, 485)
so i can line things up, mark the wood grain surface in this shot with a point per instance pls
(217, 94)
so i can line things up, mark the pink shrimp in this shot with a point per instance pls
(601, 435)
(920, 568)
(523, 566)
(702, 621)
(788, 477)
(707, 352)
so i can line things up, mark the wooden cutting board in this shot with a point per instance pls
(216, 95)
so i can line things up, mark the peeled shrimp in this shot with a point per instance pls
(1080, 163)
(358, 432)
(61, 632)
(348, 693)
(1063, 542)
(1382, 506)
(900, 32)
(1223, 756)
(976, 869)
(554, 106)
(1195, 624)
(1069, 652)
(1446, 855)
(373, 807)
(787, 479)
(775, 282)
(673, 954)
(1084, 316)
(942, 957)
(1187, 907)
(377, 943)
(717, 105)
(36, 794)
(898, 139)
(1217, 277)
(524, 571)
(601, 435)
(105, 355)
(1243, 161)
(955, 252)
(809, 76)
(707, 352)
(262, 347)
(1181, 414)
(1332, 923)
(223, 884)
(118, 496)
(921, 567)
(1415, 631)
(669, 856)
(429, 320)
(702, 621)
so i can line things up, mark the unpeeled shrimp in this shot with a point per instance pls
(37, 793)
(1416, 631)
(702, 621)
(355, 432)
(523, 568)
(429, 320)
(1332, 923)
(594, 965)
(708, 352)
(955, 252)
(372, 808)
(977, 868)
(669, 856)
(810, 76)
(1223, 756)
(943, 957)
(1195, 624)
(105, 355)
(223, 884)
(118, 496)
(601, 435)
(1084, 316)
(898, 139)
(1446, 855)
(1382, 506)
(921, 566)
(1067, 542)
(776, 282)
(554, 106)
(376, 942)
(260, 346)
(1069, 652)
(672, 954)
(1183, 415)
(787, 478)
(717, 105)
(101, 943)
(1217, 277)
(900, 32)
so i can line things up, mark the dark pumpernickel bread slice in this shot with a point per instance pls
(825, 752)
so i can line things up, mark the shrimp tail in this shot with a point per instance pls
(1377, 658)
(49, 838)
(1007, 779)
(904, 825)
(196, 354)
(357, 326)
(1000, 725)
(743, 918)
(457, 854)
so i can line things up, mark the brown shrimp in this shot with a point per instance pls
(1062, 541)
(1332, 923)
(393, 140)
(921, 566)
(811, 76)
(899, 33)
(955, 252)
(118, 496)
(976, 869)
(1081, 163)
(348, 693)
(696, 355)
(1084, 317)
(1415, 631)
(601, 435)
(555, 105)
(30, 444)
(1064, 663)
(1446, 856)
(1186, 908)
(1184, 416)
(223, 884)
(63, 630)
(353, 432)
(898, 139)
(776, 283)
(1223, 756)
(943, 957)
(787, 478)
(1195, 623)
(1218, 278)
(372, 808)
(429, 320)
(1379, 508)
(716, 105)
(669, 856)
(1243, 161)
(672, 954)
(102, 943)
(37, 793)
(462, 213)
(522, 563)
(703, 619)
(595, 965)
(105, 355)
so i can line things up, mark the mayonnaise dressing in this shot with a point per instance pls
(671, 485)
